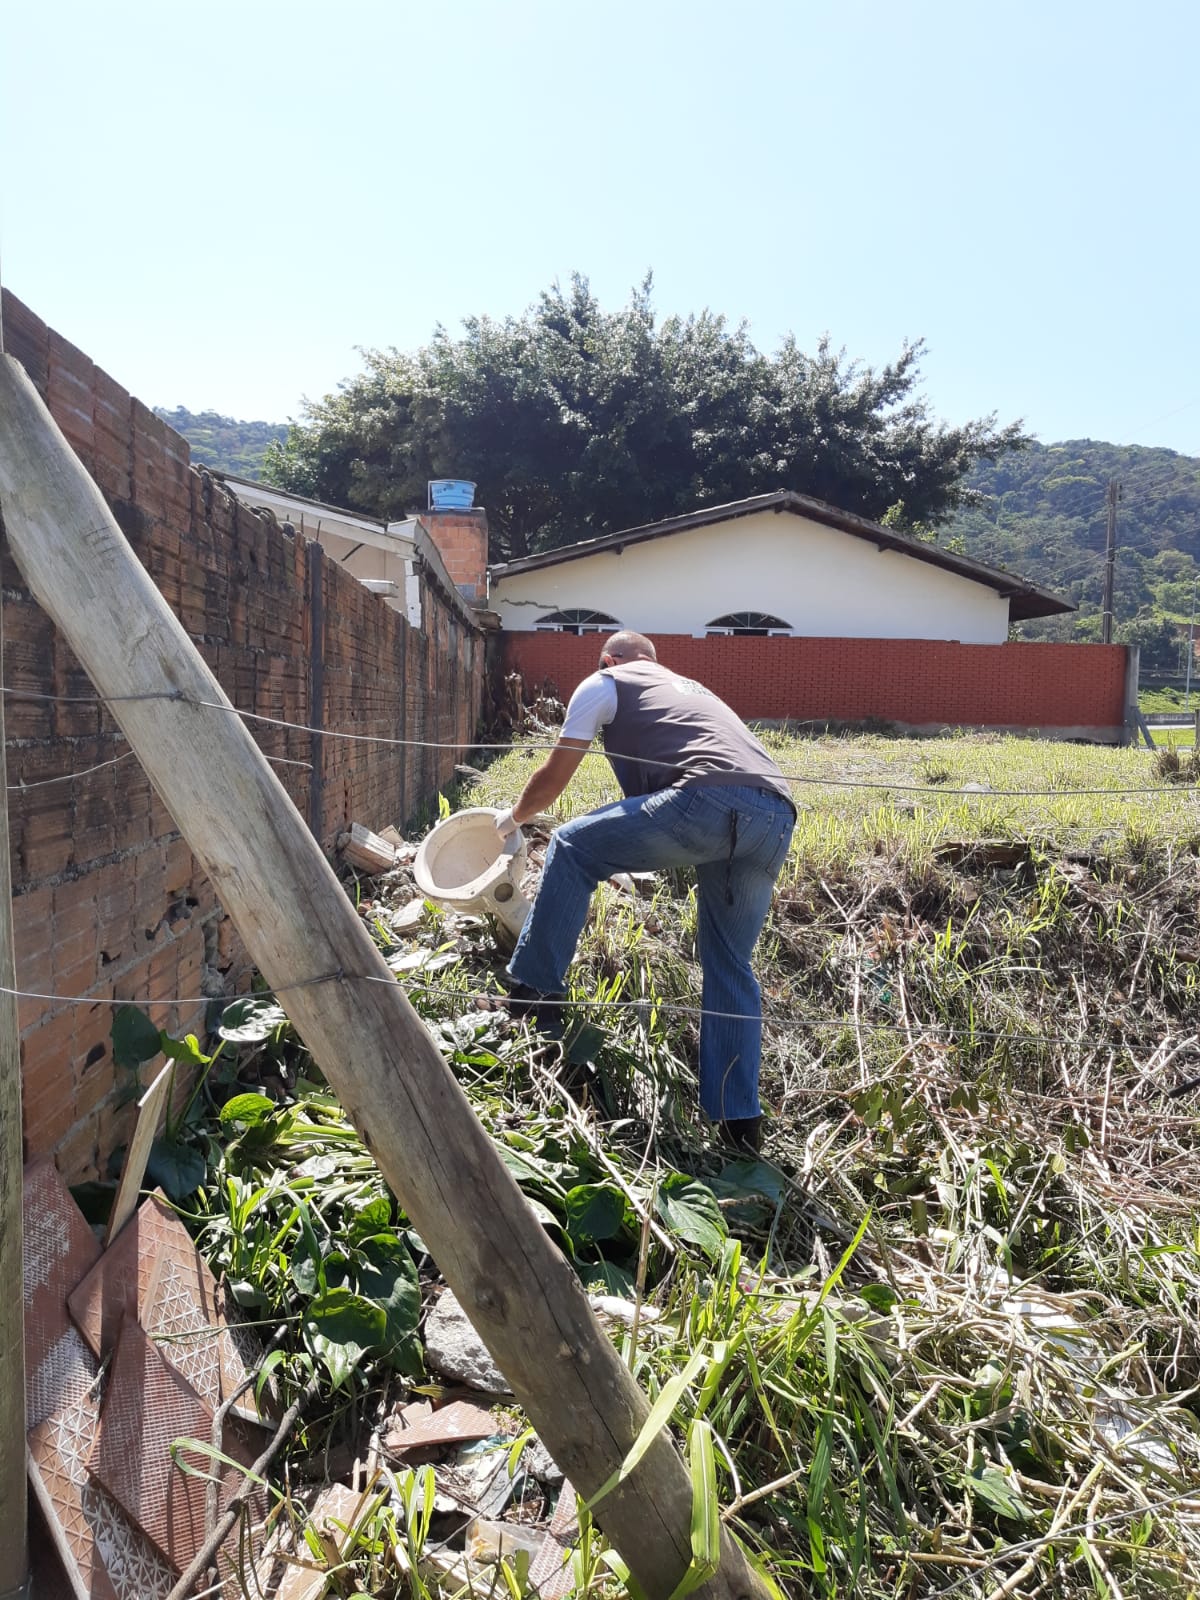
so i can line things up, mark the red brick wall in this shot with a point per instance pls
(108, 901)
(918, 683)
(461, 538)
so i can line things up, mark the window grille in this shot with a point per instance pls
(576, 621)
(756, 624)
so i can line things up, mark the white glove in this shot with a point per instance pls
(507, 825)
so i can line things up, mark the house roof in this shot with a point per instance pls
(1025, 599)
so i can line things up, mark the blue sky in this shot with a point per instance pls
(220, 203)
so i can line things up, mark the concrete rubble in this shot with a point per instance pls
(453, 1348)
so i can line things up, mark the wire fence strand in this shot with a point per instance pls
(799, 779)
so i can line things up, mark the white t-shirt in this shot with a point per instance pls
(591, 707)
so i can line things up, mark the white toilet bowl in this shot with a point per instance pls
(462, 865)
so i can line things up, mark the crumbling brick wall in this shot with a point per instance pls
(108, 901)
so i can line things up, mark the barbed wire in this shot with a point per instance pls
(800, 779)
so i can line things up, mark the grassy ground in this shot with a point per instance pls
(946, 1338)
(981, 1027)
(1170, 698)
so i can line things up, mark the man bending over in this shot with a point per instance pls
(699, 791)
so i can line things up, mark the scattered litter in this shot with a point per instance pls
(488, 1541)
(453, 1348)
(291, 1574)
(616, 1309)
(423, 961)
(478, 1478)
(634, 882)
(1122, 1417)
(984, 852)
(333, 1517)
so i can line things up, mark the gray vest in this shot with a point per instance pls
(671, 732)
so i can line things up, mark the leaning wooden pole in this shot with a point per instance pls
(297, 925)
(14, 1545)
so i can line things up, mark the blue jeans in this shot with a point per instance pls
(677, 828)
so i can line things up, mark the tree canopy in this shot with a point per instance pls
(576, 421)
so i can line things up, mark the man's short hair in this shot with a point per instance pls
(628, 646)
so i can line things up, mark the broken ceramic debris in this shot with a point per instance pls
(142, 1452)
(153, 1274)
(408, 916)
(366, 851)
(58, 1249)
(453, 1348)
(550, 1574)
(103, 1555)
(290, 1570)
(420, 1427)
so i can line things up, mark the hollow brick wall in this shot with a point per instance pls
(108, 901)
(916, 683)
(462, 542)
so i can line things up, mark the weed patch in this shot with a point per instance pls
(944, 1339)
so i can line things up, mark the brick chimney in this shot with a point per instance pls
(461, 538)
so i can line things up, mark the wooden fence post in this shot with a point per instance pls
(300, 928)
(14, 1545)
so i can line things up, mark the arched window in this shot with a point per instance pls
(576, 621)
(755, 623)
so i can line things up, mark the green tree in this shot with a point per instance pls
(1157, 638)
(576, 421)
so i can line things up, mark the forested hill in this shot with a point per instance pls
(224, 442)
(1046, 515)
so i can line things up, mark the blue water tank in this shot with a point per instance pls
(451, 494)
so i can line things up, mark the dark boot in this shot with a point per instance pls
(744, 1134)
(541, 1011)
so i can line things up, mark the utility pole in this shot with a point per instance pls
(1110, 560)
(1191, 648)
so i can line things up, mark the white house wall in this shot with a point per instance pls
(818, 580)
